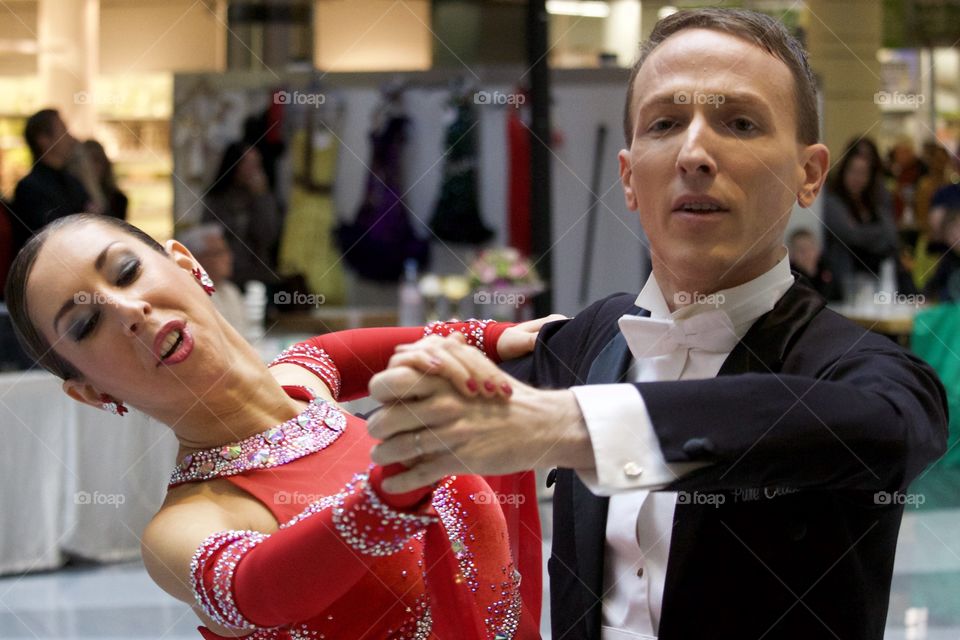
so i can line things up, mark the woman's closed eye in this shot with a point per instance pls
(128, 273)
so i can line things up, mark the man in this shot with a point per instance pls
(48, 191)
(782, 433)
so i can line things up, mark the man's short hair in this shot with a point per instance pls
(756, 28)
(39, 124)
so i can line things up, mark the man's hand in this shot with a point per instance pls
(433, 428)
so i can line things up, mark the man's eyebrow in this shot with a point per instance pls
(689, 98)
(71, 303)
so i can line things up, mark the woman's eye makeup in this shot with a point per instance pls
(128, 271)
(82, 328)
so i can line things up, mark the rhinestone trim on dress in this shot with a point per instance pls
(473, 331)
(316, 428)
(217, 602)
(372, 527)
(313, 359)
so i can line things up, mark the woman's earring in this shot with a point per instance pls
(112, 406)
(204, 280)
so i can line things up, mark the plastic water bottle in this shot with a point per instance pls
(410, 312)
(255, 305)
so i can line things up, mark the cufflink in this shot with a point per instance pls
(632, 470)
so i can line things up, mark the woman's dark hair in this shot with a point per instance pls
(756, 28)
(229, 163)
(859, 147)
(31, 339)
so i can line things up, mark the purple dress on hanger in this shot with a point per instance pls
(381, 237)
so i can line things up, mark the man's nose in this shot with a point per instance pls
(695, 157)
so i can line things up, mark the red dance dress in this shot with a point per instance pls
(350, 561)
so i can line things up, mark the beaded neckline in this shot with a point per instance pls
(316, 428)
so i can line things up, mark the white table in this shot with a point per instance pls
(75, 479)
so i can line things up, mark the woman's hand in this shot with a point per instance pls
(519, 340)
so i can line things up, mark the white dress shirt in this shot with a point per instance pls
(629, 462)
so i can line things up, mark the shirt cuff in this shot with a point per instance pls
(625, 446)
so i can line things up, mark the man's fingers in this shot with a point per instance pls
(399, 417)
(408, 446)
(423, 474)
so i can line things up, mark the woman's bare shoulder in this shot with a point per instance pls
(189, 515)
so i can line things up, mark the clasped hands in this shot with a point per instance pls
(449, 410)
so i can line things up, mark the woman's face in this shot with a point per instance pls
(133, 321)
(857, 176)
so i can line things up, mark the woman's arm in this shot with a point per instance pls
(346, 360)
(242, 580)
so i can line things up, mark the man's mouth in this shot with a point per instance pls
(698, 204)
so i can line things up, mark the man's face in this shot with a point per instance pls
(714, 166)
(58, 145)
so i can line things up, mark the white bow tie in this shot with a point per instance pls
(710, 331)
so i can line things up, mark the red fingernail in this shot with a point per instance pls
(489, 386)
(507, 389)
(472, 385)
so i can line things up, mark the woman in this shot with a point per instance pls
(274, 524)
(859, 233)
(240, 199)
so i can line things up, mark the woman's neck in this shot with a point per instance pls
(246, 400)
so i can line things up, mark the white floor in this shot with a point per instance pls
(119, 602)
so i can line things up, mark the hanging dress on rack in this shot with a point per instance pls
(456, 218)
(307, 246)
(518, 150)
(381, 237)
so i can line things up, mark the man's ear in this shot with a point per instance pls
(816, 163)
(181, 255)
(626, 173)
(83, 392)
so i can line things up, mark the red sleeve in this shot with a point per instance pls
(354, 356)
(249, 580)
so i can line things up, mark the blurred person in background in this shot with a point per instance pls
(859, 231)
(91, 166)
(905, 169)
(806, 257)
(938, 165)
(207, 244)
(948, 196)
(932, 244)
(49, 191)
(240, 199)
(944, 285)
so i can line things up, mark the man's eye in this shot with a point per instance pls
(661, 126)
(129, 272)
(743, 125)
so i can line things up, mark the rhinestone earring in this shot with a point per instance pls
(204, 280)
(110, 405)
